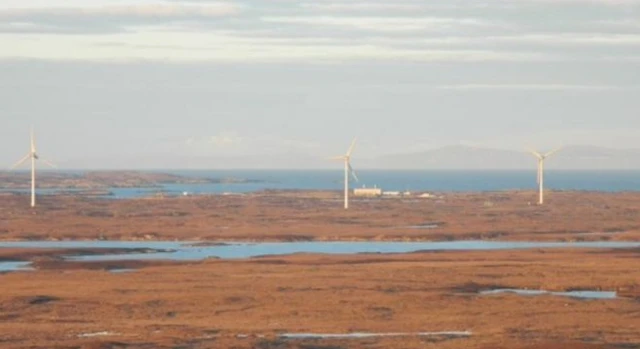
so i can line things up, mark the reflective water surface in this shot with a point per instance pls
(194, 251)
(359, 335)
(15, 266)
(167, 250)
(572, 294)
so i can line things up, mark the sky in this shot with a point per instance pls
(173, 83)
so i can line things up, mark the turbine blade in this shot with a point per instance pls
(33, 141)
(22, 161)
(552, 152)
(539, 174)
(353, 145)
(535, 153)
(341, 158)
(353, 173)
(49, 163)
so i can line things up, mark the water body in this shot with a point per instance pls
(426, 180)
(361, 335)
(572, 294)
(424, 226)
(15, 266)
(181, 251)
(415, 180)
(121, 271)
(97, 334)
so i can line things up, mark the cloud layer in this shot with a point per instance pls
(328, 31)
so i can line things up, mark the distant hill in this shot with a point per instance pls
(457, 157)
(467, 157)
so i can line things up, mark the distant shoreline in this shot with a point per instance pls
(126, 184)
(101, 180)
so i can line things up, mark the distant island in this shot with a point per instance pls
(108, 179)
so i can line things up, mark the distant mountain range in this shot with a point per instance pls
(467, 157)
(457, 157)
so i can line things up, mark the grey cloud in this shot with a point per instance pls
(108, 19)
(313, 18)
(492, 29)
(60, 26)
(155, 10)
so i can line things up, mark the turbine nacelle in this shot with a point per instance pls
(543, 156)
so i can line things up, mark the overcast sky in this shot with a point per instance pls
(114, 83)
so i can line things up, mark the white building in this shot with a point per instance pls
(367, 192)
(391, 193)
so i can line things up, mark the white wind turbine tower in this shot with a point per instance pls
(348, 171)
(33, 156)
(541, 158)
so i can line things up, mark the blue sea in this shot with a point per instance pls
(391, 180)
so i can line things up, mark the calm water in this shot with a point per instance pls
(361, 335)
(572, 294)
(187, 251)
(393, 181)
(14, 266)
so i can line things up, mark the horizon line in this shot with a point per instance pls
(312, 169)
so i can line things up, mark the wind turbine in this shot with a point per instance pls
(348, 171)
(33, 156)
(541, 158)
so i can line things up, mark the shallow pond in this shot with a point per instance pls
(15, 266)
(360, 335)
(572, 294)
(167, 250)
